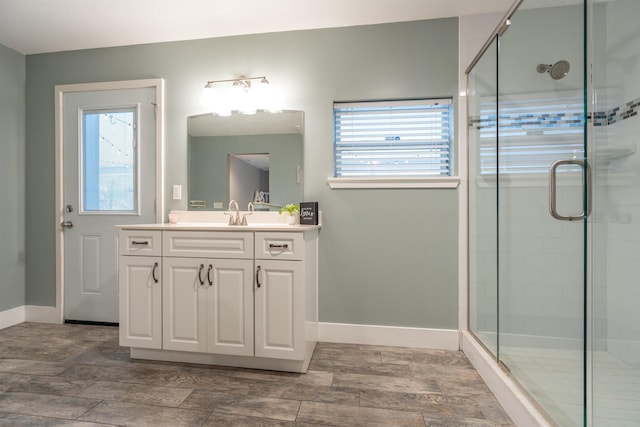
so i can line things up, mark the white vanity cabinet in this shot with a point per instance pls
(208, 302)
(243, 297)
(140, 287)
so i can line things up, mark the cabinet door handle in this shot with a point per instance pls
(258, 276)
(200, 274)
(209, 275)
(140, 243)
(153, 272)
(282, 246)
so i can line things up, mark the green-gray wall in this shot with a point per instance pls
(387, 257)
(12, 178)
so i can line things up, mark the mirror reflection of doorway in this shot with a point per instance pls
(249, 179)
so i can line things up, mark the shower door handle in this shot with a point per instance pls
(552, 189)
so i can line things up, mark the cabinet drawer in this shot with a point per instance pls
(280, 246)
(140, 242)
(212, 244)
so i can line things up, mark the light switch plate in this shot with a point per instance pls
(177, 192)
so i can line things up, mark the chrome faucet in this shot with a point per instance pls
(232, 220)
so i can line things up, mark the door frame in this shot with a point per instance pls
(60, 91)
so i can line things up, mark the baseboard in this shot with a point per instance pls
(28, 313)
(513, 399)
(437, 339)
(42, 314)
(11, 317)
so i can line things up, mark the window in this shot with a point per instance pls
(410, 138)
(108, 162)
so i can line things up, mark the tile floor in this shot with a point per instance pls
(77, 375)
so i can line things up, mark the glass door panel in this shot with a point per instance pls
(541, 259)
(483, 230)
(615, 229)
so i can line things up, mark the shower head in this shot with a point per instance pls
(557, 70)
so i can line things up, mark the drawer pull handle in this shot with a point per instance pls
(209, 275)
(137, 242)
(153, 272)
(200, 274)
(258, 276)
(274, 246)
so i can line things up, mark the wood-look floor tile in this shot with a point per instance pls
(312, 377)
(438, 404)
(137, 393)
(357, 367)
(252, 387)
(34, 367)
(338, 415)
(151, 374)
(42, 368)
(45, 405)
(131, 414)
(425, 357)
(54, 349)
(466, 383)
(20, 420)
(226, 420)
(104, 353)
(385, 383)
(255, 406)
(436, 421)
(353, 355)
(42, 384)
(492, 410)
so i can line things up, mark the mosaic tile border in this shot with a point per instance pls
(533, 121)
(617, 114)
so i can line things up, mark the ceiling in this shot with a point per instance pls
(40, 26)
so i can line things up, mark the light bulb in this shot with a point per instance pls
(207, 95)
(266, 98)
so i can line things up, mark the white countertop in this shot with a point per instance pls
(218, 221)
(213, 226)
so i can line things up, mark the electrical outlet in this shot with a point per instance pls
(217, 205)
(177, 192)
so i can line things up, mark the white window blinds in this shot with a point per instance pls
(394, 138)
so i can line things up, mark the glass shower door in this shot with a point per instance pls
(615, 227)
(541, 199)
(483, 226)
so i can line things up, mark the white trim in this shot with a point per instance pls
(440, 339)
(513, 399)
(393, 182)
(60, 91)
(11, 317)
(41, 314)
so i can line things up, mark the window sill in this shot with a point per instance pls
(338, 183)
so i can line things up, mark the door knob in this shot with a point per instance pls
(67, 224)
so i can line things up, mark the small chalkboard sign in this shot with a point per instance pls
(309, 213)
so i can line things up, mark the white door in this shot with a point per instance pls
(109, 178)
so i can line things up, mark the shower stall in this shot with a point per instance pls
(554, 207)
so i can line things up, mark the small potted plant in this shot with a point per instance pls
(291, 210)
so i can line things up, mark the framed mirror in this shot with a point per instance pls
(247, 158)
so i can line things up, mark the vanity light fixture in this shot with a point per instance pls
(240, 95)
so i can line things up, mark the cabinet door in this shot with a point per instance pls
(140, 301)
(279, 309)
(230, 307)
(183, 300)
